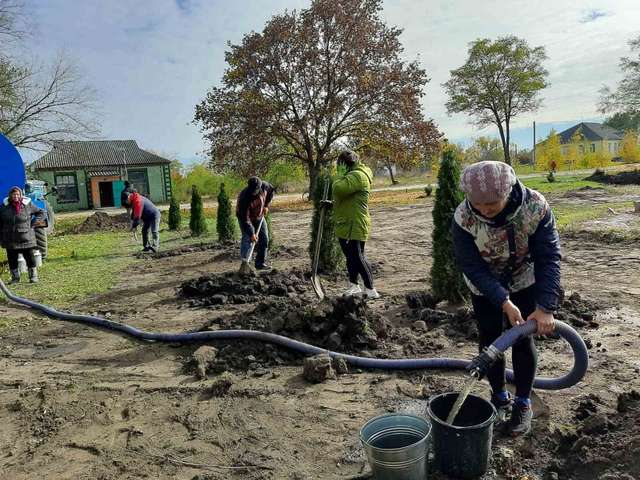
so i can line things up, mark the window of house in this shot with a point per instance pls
(581, 148)
(140, 181)
(593, 147)
(565, 150)
(67, 185)
(610, 147)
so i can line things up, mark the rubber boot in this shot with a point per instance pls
(15, 276)
(33, 275)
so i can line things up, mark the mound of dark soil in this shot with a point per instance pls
(604, 446)
(231, 287)
(423, 307)
(631, 177)
(102, 221)
(341, 324)
(578, 311)
(575, 310)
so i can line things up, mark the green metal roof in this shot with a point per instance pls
(96, 153)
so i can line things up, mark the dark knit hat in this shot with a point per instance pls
(254, 184)
(487, 182)
(348, 157)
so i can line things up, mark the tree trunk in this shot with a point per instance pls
(505, 144)
(314, 171)
(507, 152)
(390, 168)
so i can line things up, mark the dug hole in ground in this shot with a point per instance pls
(79, 403)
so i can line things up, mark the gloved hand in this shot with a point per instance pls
(480, 364)
(135, 223)
(326, 203)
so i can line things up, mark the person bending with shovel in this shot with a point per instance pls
(507, 246)
(143, 209)
(251, 207)
(352, 220)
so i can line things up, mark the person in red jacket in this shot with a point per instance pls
(142, 209)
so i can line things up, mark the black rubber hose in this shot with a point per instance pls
(581, 358)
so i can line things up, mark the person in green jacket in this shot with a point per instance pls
(352, 221)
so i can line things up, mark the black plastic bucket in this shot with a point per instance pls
(462, 450)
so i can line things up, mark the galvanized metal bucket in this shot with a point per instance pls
(397, 445)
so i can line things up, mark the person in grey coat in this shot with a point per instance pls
(17, 234)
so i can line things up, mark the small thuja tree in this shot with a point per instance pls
(225, 222)
(175, 217)
(197, 223)
(446, 278)
(331, 258)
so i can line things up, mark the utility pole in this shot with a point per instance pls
(533, 150)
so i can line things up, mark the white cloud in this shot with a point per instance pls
(152, 61)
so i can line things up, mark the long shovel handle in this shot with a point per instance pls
(253, 244)
(316, 253)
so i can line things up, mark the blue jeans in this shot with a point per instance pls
(151, 223)
(260, 248)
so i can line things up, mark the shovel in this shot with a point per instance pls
(315, 279)
(245, 268)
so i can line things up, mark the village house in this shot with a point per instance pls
(91, 174)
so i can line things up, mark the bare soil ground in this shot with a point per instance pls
(79, 403)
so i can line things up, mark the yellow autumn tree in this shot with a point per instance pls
(630, 150)
(548, 154)
(597, 159)
(575, 151)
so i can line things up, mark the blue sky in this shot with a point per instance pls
(151, 62)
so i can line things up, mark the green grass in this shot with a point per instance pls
(87, 264)
(562, 183)
(570, 216)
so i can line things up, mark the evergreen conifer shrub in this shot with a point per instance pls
(197, 222)
(446, 279)
(175, 217)
(225, 222)
(331, 258)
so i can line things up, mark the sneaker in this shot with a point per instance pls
(152, 249)
(354, 289)
(371, 293)
(264, 268)
(503, 407)
(520, 422)
(146, 249)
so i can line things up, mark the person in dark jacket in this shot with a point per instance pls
(17, 217)
(124, 195)
(251, 207)
(142, 209)
(507, 246)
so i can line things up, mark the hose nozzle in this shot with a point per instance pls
(480, 365)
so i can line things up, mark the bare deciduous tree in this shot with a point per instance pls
(50, 104)
(40, 103)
